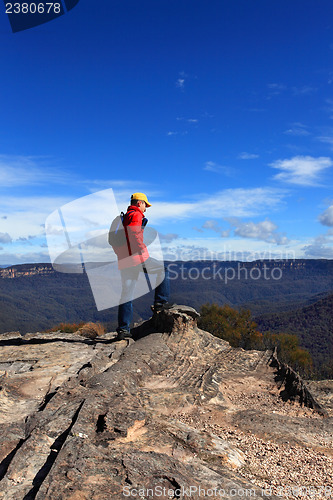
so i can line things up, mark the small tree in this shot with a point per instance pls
(237, 327)
(290, 352)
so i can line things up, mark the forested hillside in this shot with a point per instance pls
(312, 324)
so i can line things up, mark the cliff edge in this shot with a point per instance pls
(176, 414)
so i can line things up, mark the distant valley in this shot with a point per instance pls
(293, 296)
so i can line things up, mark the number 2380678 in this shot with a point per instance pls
(33, 8)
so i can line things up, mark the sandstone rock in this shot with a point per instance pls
(176, 412)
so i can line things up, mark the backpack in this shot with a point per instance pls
(117, 237)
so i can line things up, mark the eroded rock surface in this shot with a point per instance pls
(178, 413)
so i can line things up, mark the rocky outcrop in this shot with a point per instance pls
(176, 414)
(26, 270)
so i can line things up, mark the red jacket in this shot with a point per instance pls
(135, 251)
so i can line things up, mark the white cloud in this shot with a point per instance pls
(243, 202)
(326, 218)
(27, 214)
(262, 231)
(180, 83)
(320, 248)
(247, 156)
(301, 170)
(5, 238)
(265, 231)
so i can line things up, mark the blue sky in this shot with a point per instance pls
(220, 111)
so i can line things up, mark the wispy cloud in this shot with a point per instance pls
(276, 88)
(167, 238)
(329, 106)
(237, 202)
(188, 120)
(173, 132)
(184, 126)
(304, 90)
(301, 170)
(198, 229)
(211, 166)
(23, 258)
(298, 130)
(327, 139)
(247, 156)
(213, 225)
(30, 171)
(180, 82)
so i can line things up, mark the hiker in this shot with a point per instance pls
(133, 258)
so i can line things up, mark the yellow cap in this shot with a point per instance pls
(142, 197)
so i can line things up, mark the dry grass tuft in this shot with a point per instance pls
(91, 330)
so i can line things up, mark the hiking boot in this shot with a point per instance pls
(161, 306)
(123, 334)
